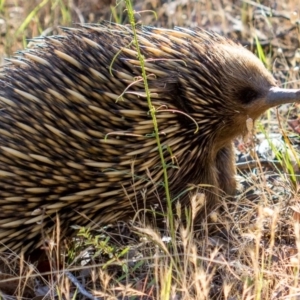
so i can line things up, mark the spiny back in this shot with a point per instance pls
(76, 133)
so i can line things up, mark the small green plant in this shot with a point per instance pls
(101, 244)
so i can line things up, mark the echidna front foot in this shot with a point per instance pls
(225, 163)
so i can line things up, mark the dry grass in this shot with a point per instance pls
(257, 257)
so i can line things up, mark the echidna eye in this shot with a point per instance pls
(247, 95)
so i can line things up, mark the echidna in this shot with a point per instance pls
(77, 137)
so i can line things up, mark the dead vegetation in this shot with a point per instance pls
(257, 256)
